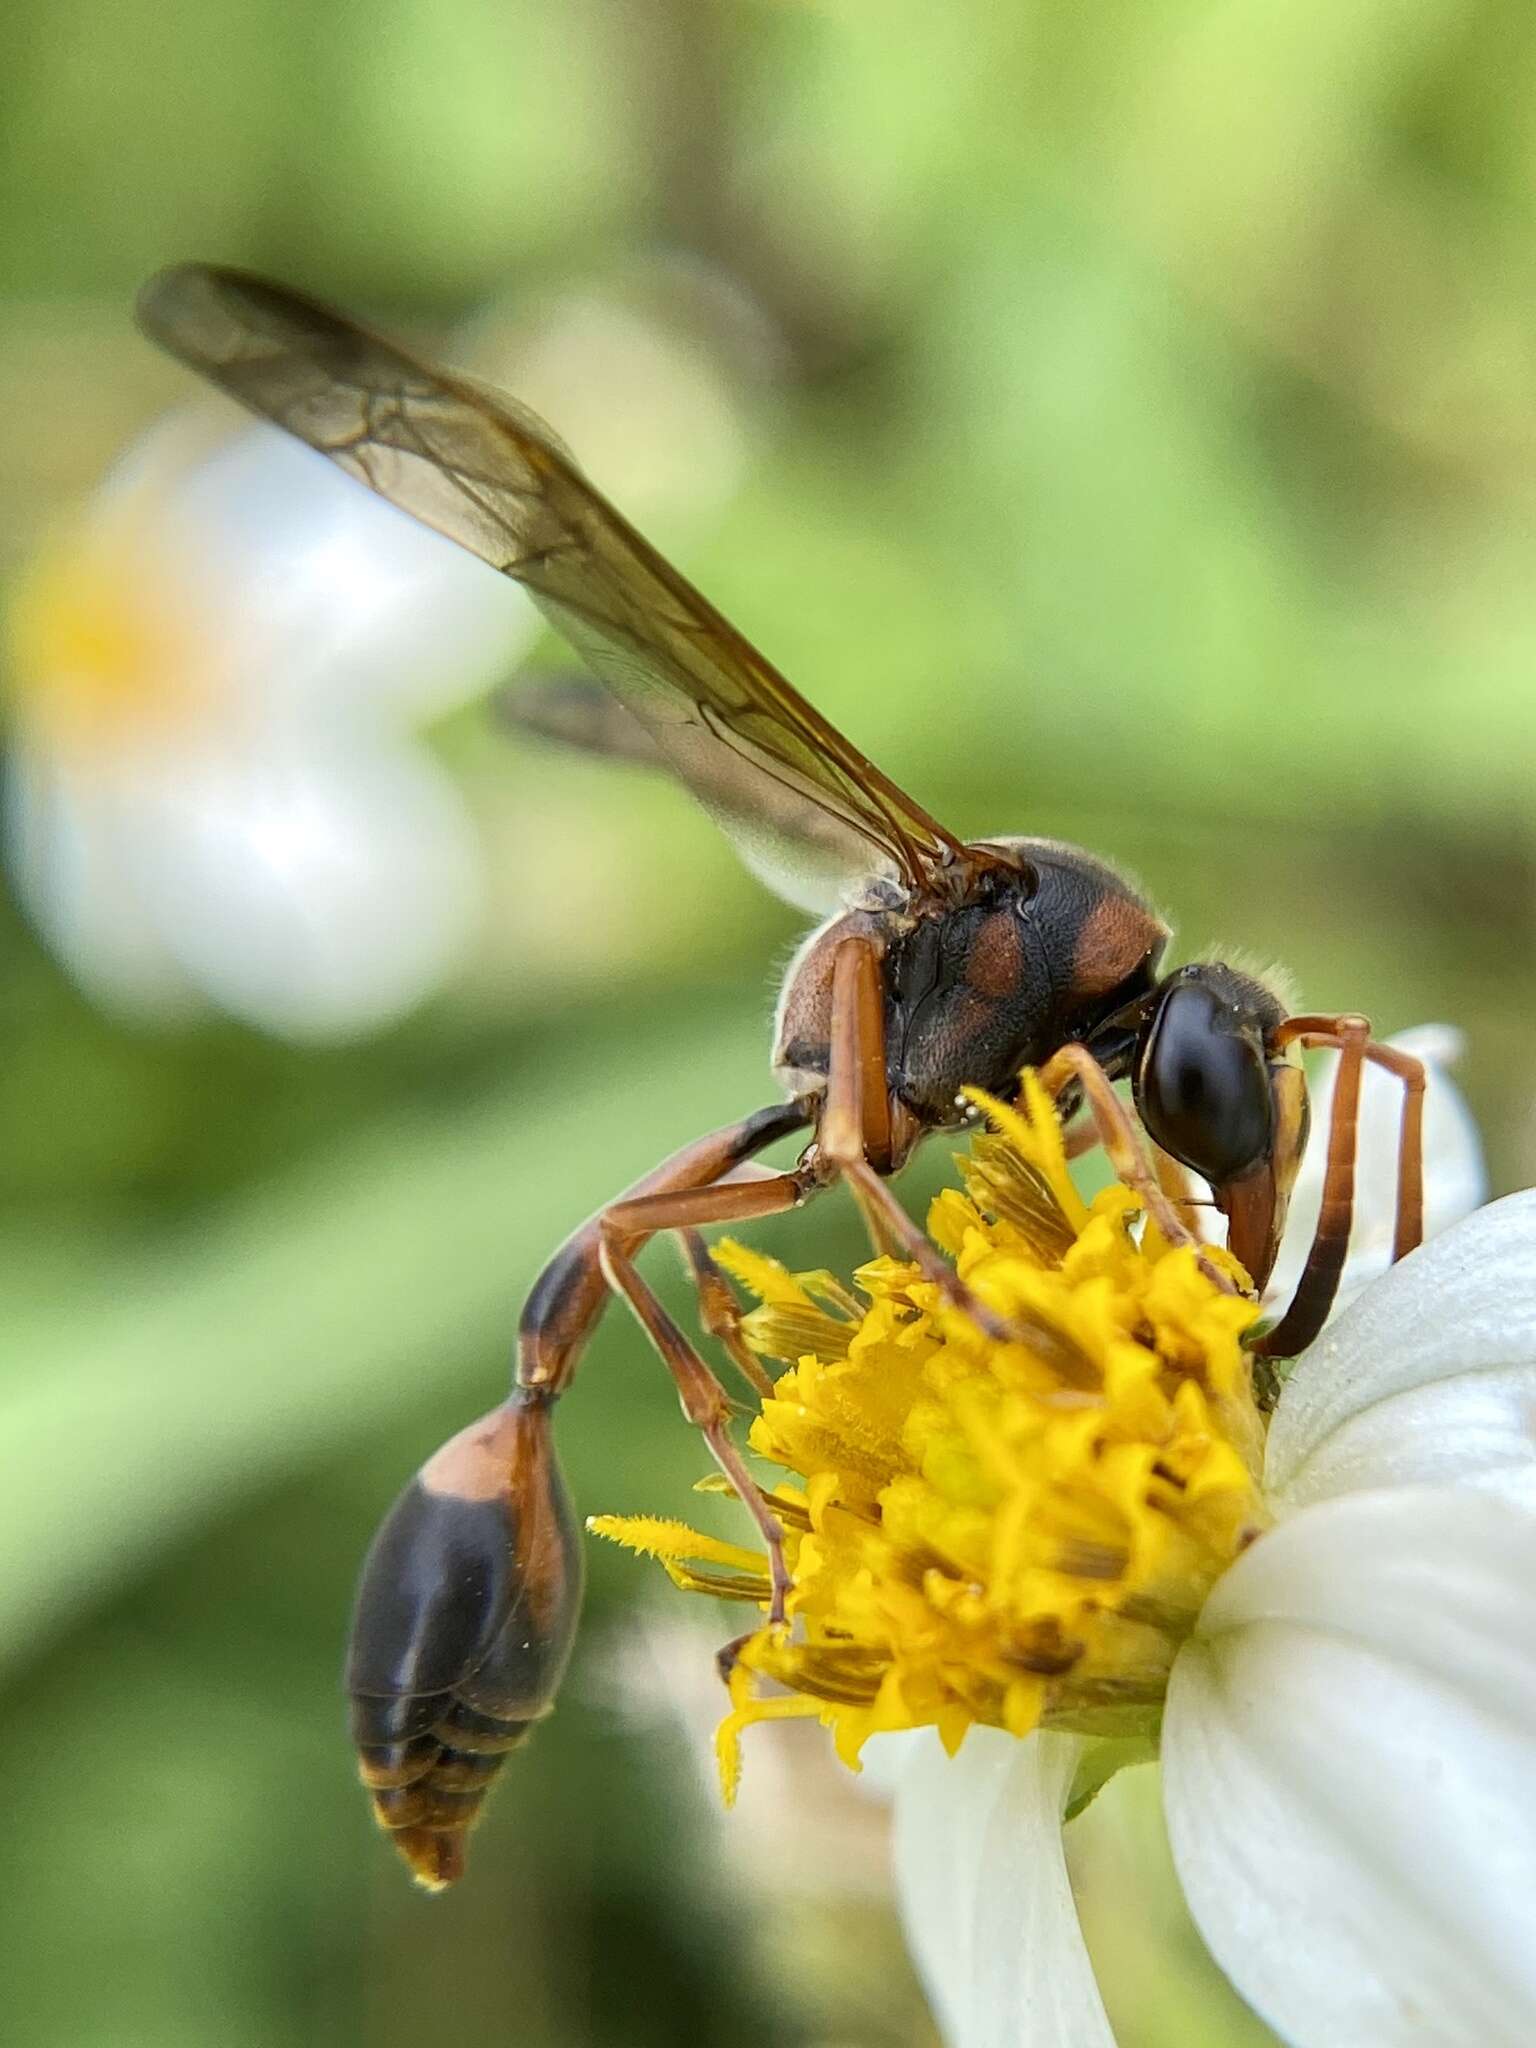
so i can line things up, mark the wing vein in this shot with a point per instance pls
(802, 803)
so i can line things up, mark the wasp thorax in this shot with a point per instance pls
(1041, 956)
(1044, 947)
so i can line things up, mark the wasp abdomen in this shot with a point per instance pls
(464, 1622)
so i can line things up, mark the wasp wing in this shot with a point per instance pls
(806, 809)
(577, 712)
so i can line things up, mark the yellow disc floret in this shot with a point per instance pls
(1019, 1533)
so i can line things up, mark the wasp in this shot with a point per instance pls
(939, 963)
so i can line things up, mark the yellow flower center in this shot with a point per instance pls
(100, 650)
(1018, 1533)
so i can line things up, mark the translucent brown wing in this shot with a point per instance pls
(806, 809)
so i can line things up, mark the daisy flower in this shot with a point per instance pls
(1323, 1620)
(215, 675)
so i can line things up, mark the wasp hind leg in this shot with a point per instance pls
(470, 1595)
(625, 1228)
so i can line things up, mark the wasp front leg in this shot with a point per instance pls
(1116, 1131)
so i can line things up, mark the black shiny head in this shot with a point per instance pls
(1212, 1093)
(1202, 1071)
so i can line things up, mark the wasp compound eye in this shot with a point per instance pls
(464, 1622)
(1203, 1084)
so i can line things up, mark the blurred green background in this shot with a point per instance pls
(1137, 405)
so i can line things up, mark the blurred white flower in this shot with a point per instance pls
(217, 791)
(218, 672)
(1349, 1740)
(642, 377)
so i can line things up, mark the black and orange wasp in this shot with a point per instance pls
(940, 962)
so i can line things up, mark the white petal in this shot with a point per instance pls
(1478, 1429)
(154, 467)
(1349, 1769)
(885, 1760)
(981, 1880)
(1430, 1374)
(1455, 1179)
(341, 604)
(313, 897)
(65, 848)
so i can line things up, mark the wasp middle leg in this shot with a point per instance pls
(1127, 1154)
(856, 1138)
(625, 1228)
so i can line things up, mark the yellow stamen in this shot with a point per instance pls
(656, 1536)
(990, 1532)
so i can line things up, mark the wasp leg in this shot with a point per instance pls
(854, 1130)
(1079, 1138)
(1350, 1036)
(853, 1134)
(1122, 1143)
(625, 1228)
(1408, 1229)
(856, 1120)
(570, 1294)
(720, 1312)
(1330, 1241)
(469, 1598)
(854, 1138)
